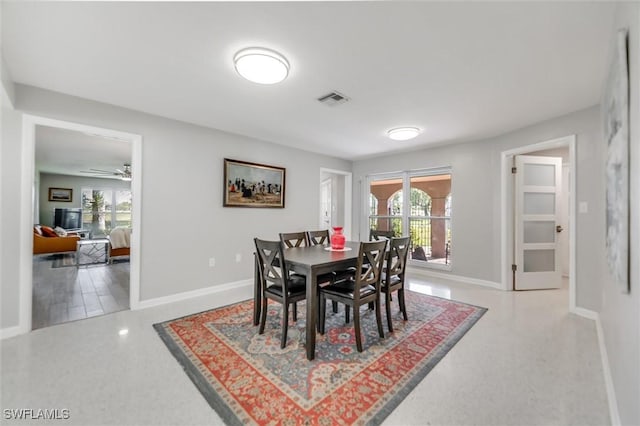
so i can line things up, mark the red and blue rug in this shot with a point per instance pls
(248, 379)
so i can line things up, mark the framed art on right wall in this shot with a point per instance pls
(615, 107)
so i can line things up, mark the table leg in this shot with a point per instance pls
(257, 302)
(312, 313)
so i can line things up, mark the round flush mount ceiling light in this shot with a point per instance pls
(260, 65)
(403, 133)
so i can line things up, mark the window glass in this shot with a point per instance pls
(428, 212)
(104, 209)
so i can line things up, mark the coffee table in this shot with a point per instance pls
(98, 250)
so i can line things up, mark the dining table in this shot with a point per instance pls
(311, 262)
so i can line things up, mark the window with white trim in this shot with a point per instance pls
(104, 209)
(425, 215)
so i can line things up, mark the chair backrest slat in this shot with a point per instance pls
(370, 260)
(376, 235)
(315, 238)
(397, 256)
(294, 239)
(271, 257)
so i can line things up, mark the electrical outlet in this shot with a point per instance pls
(212, 262)
(238, 257)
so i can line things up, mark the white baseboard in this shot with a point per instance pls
(614, 414)
(586, 313)
(8, 332)
(237, 285)
(468, 280)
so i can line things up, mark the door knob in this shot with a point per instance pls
(559, 228)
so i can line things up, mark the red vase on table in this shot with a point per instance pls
(337, 239)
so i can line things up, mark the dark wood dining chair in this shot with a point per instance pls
(277, 284)
(393, 275)
(315, 238)
(376, 235)
(360, 290)
(294, 239)
(322, 237)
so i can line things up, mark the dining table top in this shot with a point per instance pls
(320, 254)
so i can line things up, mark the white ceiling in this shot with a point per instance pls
(460, 70)
(70, 152)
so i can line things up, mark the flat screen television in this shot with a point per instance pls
(67, 218)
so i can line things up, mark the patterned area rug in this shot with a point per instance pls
(248, 379)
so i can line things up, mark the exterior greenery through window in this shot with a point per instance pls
(426, 214)
(104, 209)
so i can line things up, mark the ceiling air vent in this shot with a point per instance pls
(334, 98)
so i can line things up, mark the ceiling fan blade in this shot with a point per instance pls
(103, 171)
(95, 172)
(119, 171)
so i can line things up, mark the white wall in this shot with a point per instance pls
(183, 221)
(620, 315)
(476, 216)
(10, 214)
(49, 180)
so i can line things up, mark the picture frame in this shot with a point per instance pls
(64, 195)
(615, 106)
(247, 184)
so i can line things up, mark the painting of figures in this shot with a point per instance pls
(253, 185)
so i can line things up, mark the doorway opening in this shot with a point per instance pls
(335, 200)
(48, 193)
(565, 149)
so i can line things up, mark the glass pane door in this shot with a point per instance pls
(430, 218)
(386, 205)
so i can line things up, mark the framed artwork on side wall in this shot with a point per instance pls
(615, 107)
(61, 194)
(253, 185)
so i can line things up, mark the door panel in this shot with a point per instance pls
(537, 197)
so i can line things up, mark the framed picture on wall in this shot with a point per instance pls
(61, 194)
(253, 185)
(615, 106)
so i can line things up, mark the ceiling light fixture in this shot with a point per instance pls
(260, 65)
(403, 133)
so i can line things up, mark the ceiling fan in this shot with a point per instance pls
(124, 173)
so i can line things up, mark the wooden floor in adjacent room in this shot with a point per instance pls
(63, 292)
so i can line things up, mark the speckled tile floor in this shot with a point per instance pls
(526, 362)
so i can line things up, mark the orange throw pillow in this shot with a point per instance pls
(48, 232)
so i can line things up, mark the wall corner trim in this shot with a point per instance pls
(467, 280)
(614, 414)
(242, 285)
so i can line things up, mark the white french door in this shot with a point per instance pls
(326, 204)
(537, 198)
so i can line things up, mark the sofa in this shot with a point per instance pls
(44, 242)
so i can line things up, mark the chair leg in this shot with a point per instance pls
(285, 325)
(403, 306)
(263, 315)
(371, 306)
(387, 299)
(295, 312)
(334, 305)
(356, 326)
(322, 313)
(379, 318)
(346, 313)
